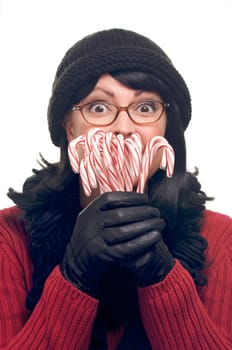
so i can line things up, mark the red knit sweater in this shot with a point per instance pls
(176, 314)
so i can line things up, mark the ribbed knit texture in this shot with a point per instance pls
(175, 314)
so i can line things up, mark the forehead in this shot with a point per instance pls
(112, 87)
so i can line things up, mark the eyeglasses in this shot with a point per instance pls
(101, 113)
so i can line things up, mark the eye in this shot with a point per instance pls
(98, 107)
(147, 107)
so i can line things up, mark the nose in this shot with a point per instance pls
(123, 124)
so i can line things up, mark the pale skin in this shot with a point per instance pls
(112, 91)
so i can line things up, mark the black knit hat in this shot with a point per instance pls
(108, 51)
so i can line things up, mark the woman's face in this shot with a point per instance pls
(112, 91)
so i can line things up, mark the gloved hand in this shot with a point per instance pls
(113, 229)
(153, 266)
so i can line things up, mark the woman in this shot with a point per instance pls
(118, 270)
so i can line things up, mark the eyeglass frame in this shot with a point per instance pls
(120, 109)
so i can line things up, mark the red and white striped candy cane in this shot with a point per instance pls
(116, 164)
(151, 150)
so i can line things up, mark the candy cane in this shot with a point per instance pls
(116, 164)
(167, 158)
(73, 152)
(134, 147)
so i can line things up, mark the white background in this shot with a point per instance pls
(197, 35)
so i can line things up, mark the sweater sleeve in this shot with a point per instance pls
(177, 316)
(62, 319)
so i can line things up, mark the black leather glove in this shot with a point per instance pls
(113, 229)
(153, 266)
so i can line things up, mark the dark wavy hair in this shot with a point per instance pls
(50, 204)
